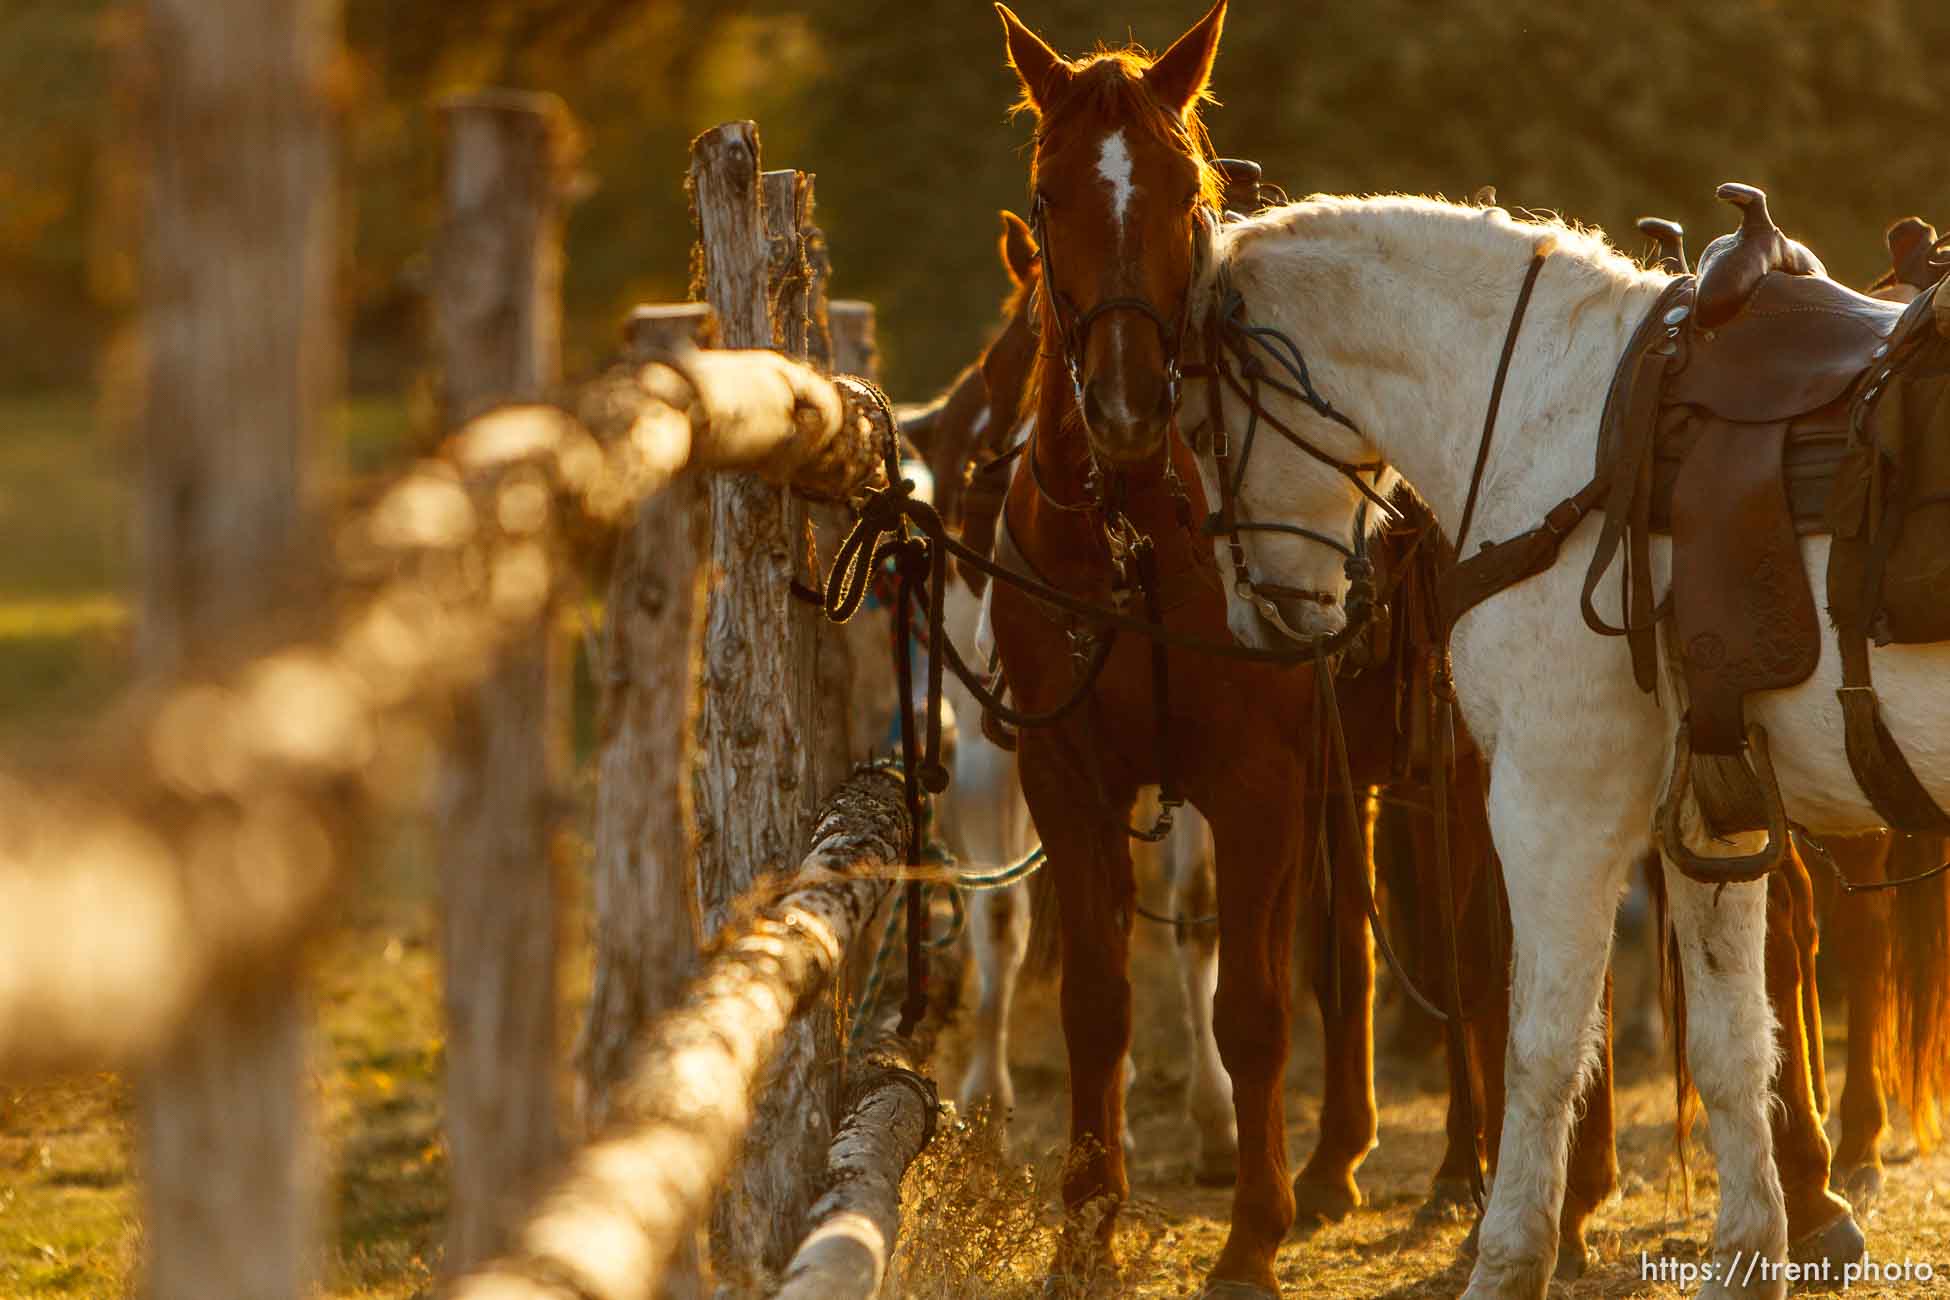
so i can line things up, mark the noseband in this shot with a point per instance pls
(1073, 326)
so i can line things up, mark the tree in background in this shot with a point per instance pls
(1599, 109)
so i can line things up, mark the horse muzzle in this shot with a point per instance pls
(1293, 614)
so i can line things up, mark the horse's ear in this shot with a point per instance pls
(1179, 76)
(1018, 247)
(1042, 71)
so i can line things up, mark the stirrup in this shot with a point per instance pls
(1715, 870)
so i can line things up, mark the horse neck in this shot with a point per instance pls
(1417, 363)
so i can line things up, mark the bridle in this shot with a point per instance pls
(1236, 359)
(1233, 360)
(1073, 327)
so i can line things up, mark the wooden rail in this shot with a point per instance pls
(198, 834)
(610, 1228)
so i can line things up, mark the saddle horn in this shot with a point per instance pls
(1242, 178)
(1733, 266)
(1670, 236)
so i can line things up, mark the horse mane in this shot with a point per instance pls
(1607, 273)
(1109, 82)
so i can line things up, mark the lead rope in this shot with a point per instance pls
(1330, 707)
(1170, 798)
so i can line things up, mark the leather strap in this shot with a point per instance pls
(1873, 754)
(1500, 565)
(1626, 443)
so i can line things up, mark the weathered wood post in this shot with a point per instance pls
(499, 324)
(760, 752)
(243, 350)
(855, 351)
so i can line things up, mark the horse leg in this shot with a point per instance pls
(1561, 911)
(1343, 982)
(1807, 945)
(1259, 831)
(1208, 1092)
(1090, 857)
(1819, 1224)
(1721, 933)
(1404, 847)
(1475, 1111)
(1592, 1172)
(989, 823)
(1859, 940)
(998, 931)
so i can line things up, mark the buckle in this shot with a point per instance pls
(1561, 531)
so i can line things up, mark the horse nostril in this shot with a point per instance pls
(1093, 406)
(1161, 411)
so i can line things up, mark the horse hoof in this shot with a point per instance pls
(1218, 1166)
(1862, 1186)
(1574, 1259)
(1451, 1200)
(1839, 1244)
(1317, 1203)
(1235, 1291)
(1216, 1174)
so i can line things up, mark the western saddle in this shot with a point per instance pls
(1760, 401)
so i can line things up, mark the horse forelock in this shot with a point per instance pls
(1107, 91)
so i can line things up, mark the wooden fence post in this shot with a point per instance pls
(855, 351)
(243, 349)
(499, 793)
(759, 747)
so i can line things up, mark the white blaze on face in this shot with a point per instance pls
(1114, 169)
(1114, 166)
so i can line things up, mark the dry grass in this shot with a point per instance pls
(980, 1227)
(977, 1226)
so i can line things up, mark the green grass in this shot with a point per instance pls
(67, 526)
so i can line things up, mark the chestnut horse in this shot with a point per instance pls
(1121, 185)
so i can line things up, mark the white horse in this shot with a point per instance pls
(1401, 307)
(986, 823)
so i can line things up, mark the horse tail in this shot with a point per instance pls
(1919, 971)
(1044, 958)
(1672, 1003)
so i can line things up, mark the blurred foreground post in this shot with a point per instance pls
(499, 323)
(643, 904)
(243, 352)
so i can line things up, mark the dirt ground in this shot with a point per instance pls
(975, 1228)
(1174, 1229)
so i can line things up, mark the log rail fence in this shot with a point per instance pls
(201, 833)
